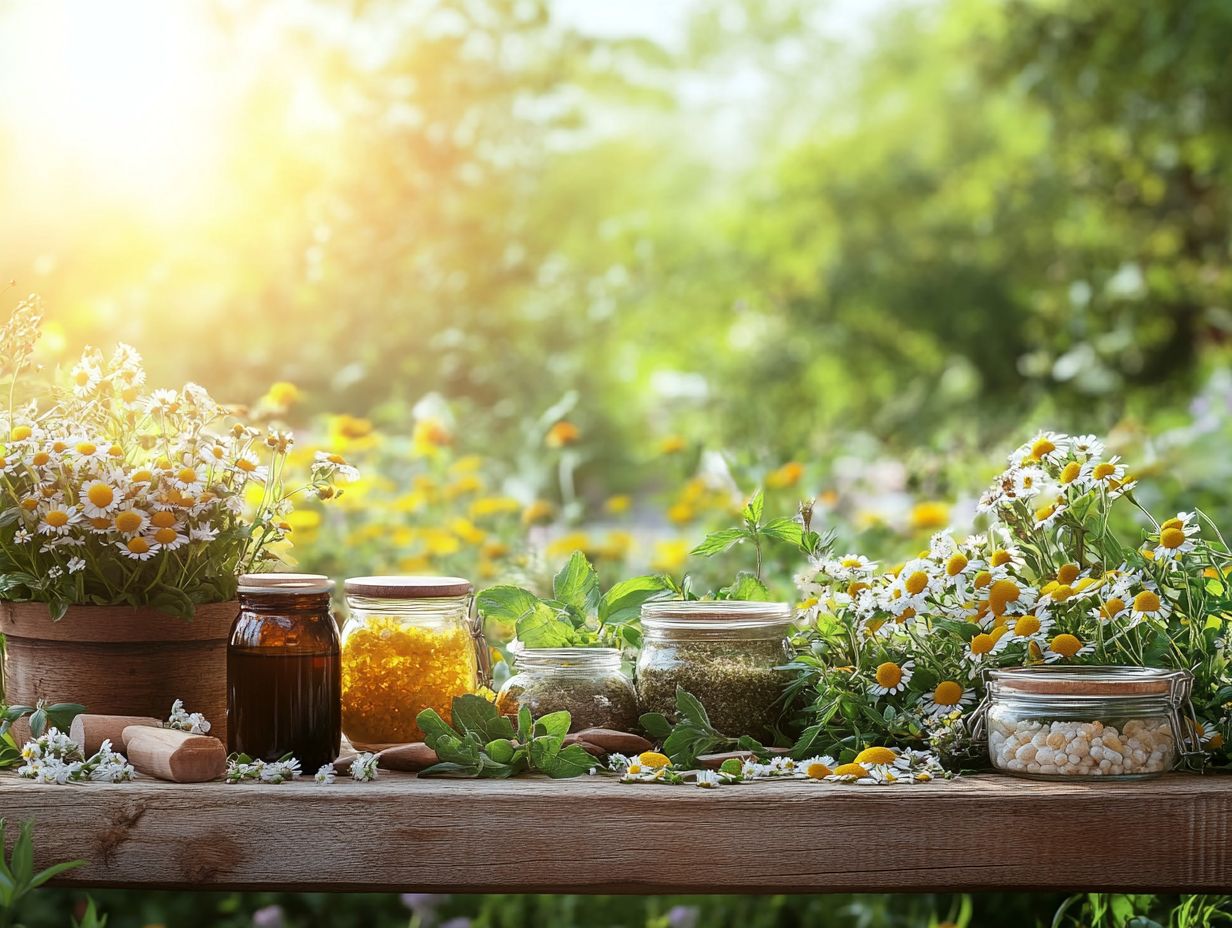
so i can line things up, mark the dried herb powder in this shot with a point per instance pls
(585, 682)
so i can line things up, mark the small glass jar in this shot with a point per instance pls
(1083, 722)
(410, 644)
(283, 671)
(729, 654)
(586, 682)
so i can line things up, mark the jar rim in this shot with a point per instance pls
(276, 584)
(407, 587)
(715, 614)
(1086, 681)
(567, 658)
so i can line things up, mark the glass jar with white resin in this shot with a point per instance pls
(1121, 723)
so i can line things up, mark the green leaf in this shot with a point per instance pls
(433, 726)
(747, 587)
(472, 714)
(554, 724)
(526, 725)
(544, 749)
(54, 871)
(785, 530)
(691, 708)
(808, 742)
(38, 722)
(506, 603)
(623, 602)
(577, 585)
(448, 768)
(572, 761)
(754, 508)
(544, 627)
(720, 541)
(656, 725)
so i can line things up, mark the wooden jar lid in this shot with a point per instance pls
(1085, 681)
(407, 587)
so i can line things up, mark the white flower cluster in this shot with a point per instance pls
(180, 720)
(55, 758)
(363, 768)
(909, 767)
(325, 775)
(241, 768)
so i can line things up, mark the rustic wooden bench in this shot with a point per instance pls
(596, 835)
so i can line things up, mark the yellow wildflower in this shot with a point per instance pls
(786, 476)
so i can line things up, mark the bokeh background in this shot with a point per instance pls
(566, 274)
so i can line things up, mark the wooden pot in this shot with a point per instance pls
(118, 660)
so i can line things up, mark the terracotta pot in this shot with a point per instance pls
(119, 660)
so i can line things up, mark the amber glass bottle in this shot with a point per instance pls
(284, 685)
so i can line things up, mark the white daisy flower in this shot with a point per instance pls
(85, 378)
(817, 768)
(250, 467)
(203, 532)
(945, 697)
(130, 521)
(1102, 474)
(707, 779)
(325, 462)
(76, 565)
(985, 645)
(1149, 604)
(21, 536)
(1029, 482)
(1033, 626)
(137, 548)
(364, 768)
(847, 567)
(1177, 537)
(325, 776)
(1086, 446)
(1047, 515)
(162, 401)
(100, 496)
(58, 519)
(168, 539)
(891, 677)
(1045, 446)
(88, 449)
(188, 479)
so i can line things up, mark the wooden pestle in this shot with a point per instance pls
(173, 755)
(90, 731)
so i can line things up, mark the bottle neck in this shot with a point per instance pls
(285, 603)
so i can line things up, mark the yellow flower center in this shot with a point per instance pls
(336, 459)
(1070, 472)
(956, 565)
(1042, 448)
(138, 545)
(1172, 523)
(982, 579)
(916, 583)
(1045, 511)
(1103, 471)
(817, 771)
(40, 458)
(654, 759)
(1111, 607)
(128, 521)
(58, 446)
(101, 523)
(246, 465)
(1062, 593)
(57, 518)
(948, 693)
(1027, 625)
(1067, 574)
(29, 504)
(1001, 594)
(876, 755)
(855, 587)
(850, 770)
(906, 614)
(163, 519)
(115, 451)
(187, 475)
(983, 643)
(1066, 645)
(81, 378)
(142, 476)
(1146, 601)
(889, 674)
(100, 495)
(20, 433)
(86, 448)
(164, 536)
(1172, 537)
(1000, 558)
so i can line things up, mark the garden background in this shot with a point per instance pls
(564, 275)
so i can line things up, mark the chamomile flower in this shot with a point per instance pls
(76, 565)
(1047, 514)
(58, 519)
(1106, 475)
(100, 497)
(85, 378)
(847, 567)
(203, 532)
(1007, 595)
(946, 697)
(249, 466)
(137, 548)
(1029, 482)
(168, 539)
(817, 768)
(985, 645)
(1066, 647)
(188, 479)
(891, 677)
(1086, 446)
(325, 776)
(707, 779)
(1149, 604)
(130, 521)
(325, 462)
(1048, 447)
(1177, 537)
(364, 768)
(89, 450)
(22, 536)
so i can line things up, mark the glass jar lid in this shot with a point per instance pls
(407, 587)
(284, 584)
(576, 660)
(715, 615)
(1086, 682)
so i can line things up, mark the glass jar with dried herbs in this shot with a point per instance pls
(585, 682)
(729, 654)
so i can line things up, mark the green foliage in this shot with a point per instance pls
(692, 734)
(483, 743)
(577, 614)
(57, 715)
(18, 877)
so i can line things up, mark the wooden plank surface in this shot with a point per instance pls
(597, 835)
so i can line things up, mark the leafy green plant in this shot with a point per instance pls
(17, 876)
(692, 734)
(91, 917)
(483, 743)
(42, 716)
(755, 529)
(578, 613)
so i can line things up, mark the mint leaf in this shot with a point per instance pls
(656, 725)
(747, 587)
(573, 761)
(577, 585)
(691, 708)
(754, 508)
(525, 724)
(474, 714)
(720, 541)
(623, 602)
(506, 603)
(554, 724)
(787, 530)
(544, 627)
(433, 726)
(446, 768)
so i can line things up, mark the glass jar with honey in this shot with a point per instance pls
(283, 670)
(411, 643)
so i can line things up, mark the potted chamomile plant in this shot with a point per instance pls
(126, 517)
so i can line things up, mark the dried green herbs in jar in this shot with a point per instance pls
(726, 653)
(585, 682)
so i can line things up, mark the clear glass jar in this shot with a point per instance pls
(283, 673)
(586, 682)
(409, 644)
(729, 654)
(1083, 722)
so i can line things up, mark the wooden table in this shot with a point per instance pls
(596, 835)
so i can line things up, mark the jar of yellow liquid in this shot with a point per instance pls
(411, 643)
